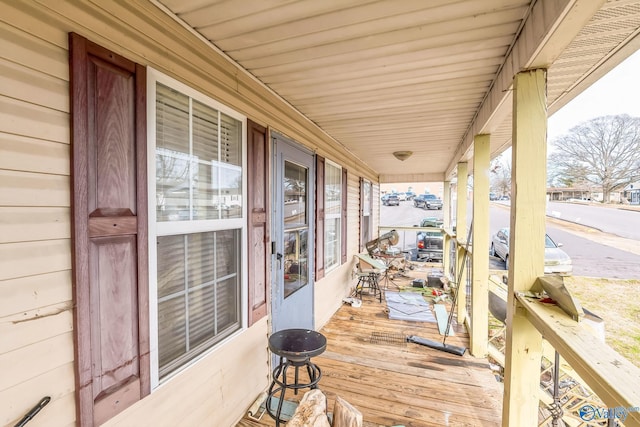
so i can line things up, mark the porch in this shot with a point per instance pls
(395, 383)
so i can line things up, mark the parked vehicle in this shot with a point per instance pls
(402, 196)
(390, 199)
(556, 261)
(427, 201)
(429, 243)
(410, 195)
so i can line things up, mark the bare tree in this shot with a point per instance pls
(501, 175)
(604, 151)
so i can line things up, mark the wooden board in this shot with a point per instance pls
(442, 316)
(402, 383)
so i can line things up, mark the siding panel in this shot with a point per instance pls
(57, 383)
(27, 328)
(27, 259)
(23, 118)
(32, 52)
(27, 362)
(28, 224)
(33, 155)
(33, 189)
(35, 291)
(20, 82)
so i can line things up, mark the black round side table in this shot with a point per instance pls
(295, 347)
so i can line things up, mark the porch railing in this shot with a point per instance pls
(597, 386)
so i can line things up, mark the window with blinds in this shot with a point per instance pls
(333, 215)
(199, 224)
(365, 221)
(198, 160)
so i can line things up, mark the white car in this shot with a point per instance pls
(556, 261)
(402, 196)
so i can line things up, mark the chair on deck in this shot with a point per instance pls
(368, 271)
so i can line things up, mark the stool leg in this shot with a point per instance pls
(295, 381)
(284, 390)
(311, 372)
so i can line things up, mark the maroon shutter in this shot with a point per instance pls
(319, 217)
(257, 208)
(109, 230)
(343, 234)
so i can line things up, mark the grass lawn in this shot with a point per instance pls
(616, 302)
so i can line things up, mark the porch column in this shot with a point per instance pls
(526, 242)
(480, 273)
(446, 223)
(461, 237)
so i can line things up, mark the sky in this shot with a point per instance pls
(617, 92)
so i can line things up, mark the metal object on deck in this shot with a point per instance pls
(388, 338)
(383, 243)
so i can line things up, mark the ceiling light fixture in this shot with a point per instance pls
(402, 155)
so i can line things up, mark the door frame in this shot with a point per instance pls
(279, 143)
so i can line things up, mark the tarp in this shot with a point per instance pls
(408, 306)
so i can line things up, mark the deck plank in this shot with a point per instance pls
(400, 383)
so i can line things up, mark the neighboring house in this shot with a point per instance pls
(614, 196)
(632, 193)
(567, 193)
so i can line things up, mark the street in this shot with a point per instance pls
(593, 253)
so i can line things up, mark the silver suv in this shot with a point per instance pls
(428, 201)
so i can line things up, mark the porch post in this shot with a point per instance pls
(480, 257)
(446, 223)
(526, 241)
(461, 237)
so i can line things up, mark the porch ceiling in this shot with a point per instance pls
(424, 76)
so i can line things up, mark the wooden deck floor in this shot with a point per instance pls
(397, 383)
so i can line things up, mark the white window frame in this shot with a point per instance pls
(338, 261)
(187, 227)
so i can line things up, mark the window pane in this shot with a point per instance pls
(200, 261)
(226, 252)
(201, 315)
(230, 140)
(332, 242)
(228, 305)
(172, 120)
(366, 235)
(366, 203)
(204, 194)
(295, 261)
(205, 132)
(171, 272)
(333, 214)
(198, 160)
(172, 187)
(295, 195)
(172, 155)
(172, 342)
(210, 261)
